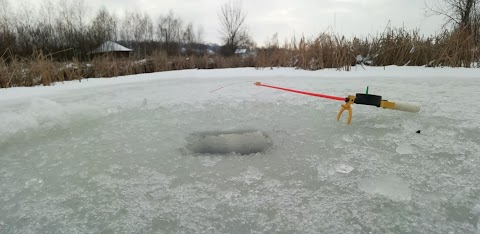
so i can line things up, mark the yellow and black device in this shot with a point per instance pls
(374, 100)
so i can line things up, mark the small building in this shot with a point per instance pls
(244, 52)
(240, 51)
(113, 49)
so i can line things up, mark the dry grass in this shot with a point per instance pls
(38, 70)
(325, 51)
(402, 48)
(4, 75)
(456, 50)
(393, 47)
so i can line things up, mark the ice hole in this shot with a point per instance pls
(242, 142)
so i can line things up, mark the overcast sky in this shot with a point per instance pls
(290, 17)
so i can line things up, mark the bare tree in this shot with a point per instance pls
(232, 26)
(136, 28)
(47, 13)
(460, 13)
(169, 32)
(143, 27)
(5, 17)
(104, 26)
(200, 33)
(25, 13)
(128, 28)
(188, 35)
(192, 40)
(273, 42)
(147, 27)
(73, 14)
(7, 37)
(71, 26)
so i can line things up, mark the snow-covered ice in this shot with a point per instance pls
(111, 155)
(392, 187)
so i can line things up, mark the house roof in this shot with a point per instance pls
(241, 51)
(111, 46)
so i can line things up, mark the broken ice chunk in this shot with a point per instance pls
(404, 149)
(476, 209)
(390, 186)
(344, 169)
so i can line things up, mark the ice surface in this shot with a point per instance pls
(390, 186)
(110, 156)
(404, 149)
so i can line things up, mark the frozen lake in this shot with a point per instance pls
(115, 155)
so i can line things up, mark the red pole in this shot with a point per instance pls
(302, 92)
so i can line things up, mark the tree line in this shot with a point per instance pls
(64, 30)
(61, 29)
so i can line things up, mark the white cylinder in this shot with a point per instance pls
(407, 106)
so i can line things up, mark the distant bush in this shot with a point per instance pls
(50, 42)
(394, 47)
